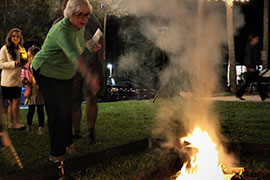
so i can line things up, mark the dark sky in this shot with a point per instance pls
(253, 12)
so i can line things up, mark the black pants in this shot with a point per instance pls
(57, 96)
(31, 112)
(252, 77)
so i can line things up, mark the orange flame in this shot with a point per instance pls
(204, 164)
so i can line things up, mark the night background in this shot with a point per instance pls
(145, 125)
(253, 12)
(36, 18)
(253, 15)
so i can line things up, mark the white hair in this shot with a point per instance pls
(74, 6)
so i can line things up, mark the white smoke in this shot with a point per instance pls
(193, 40)
(129, 62)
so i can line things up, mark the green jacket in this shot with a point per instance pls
(62, 46)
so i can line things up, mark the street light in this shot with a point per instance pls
(109, 66)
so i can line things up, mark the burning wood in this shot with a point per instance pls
(203, 162)
(239, 173)
(235, 173)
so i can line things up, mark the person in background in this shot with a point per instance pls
(251, 61)
(54, 67)
(81, 90)
(11, 84)
(33, 97)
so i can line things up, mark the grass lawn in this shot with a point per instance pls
(127, 121)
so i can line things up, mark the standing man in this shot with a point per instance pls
(251, 61)
(81, 90)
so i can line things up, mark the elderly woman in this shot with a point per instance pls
(54, 68)
(10, 63)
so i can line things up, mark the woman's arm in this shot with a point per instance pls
(5, 62)
(91, 79)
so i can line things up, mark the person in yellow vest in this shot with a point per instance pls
(11, 84)
(33, 97)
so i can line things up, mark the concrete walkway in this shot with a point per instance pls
(248, 98)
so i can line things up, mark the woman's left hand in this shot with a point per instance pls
(96, 47)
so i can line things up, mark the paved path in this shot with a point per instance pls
(248, 98)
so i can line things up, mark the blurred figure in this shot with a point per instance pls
(54, 67)
(251, 61)
(11, 84)
(33, 97)
(81, 89)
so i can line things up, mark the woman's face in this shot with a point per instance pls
(29, 56)
(80, 19)
(16, 37)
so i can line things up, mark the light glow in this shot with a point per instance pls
(109, 66)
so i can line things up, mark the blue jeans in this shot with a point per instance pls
(57, 96)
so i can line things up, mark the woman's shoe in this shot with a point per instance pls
(29, 129)
(10, 126)
(19, 127)
(40, 130)
(77, 135)
(71, 149)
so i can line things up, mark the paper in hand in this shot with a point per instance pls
(91, 43)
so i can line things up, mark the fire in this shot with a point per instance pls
(203, 163)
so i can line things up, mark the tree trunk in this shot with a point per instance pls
(265, 35)
(230, 37)
(104, 63)
(3, 30)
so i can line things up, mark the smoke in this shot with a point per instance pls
(239, 19)
(129, 62)
(193, 36)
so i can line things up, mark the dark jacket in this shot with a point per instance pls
(252, 56)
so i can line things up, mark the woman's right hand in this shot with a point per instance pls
(96, 47)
